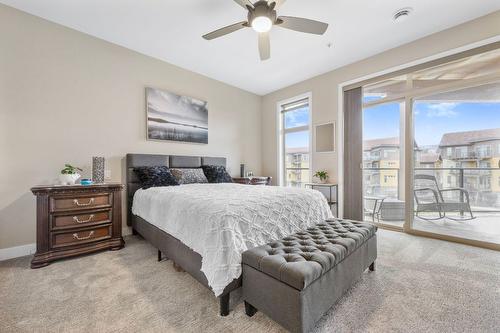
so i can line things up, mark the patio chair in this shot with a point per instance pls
(429, 198)
(372, 207)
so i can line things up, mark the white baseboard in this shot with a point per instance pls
(17, 251)
(126, 231)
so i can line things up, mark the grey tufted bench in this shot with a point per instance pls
(295, 280)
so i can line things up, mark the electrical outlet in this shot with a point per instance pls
(107, 174)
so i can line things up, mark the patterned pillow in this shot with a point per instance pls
(189, 176)
(216, 174)
(155, 176)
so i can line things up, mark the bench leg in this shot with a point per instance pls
(224, 305)
(372, 267)
(250, 310)
(159, 255)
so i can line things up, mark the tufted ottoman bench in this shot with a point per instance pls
(295, 280)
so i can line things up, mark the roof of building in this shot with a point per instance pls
(429, 158)
(382, 142)
(297, 150)
(469, 137)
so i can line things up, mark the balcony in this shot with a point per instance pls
(297, 176)
(481, 184)
(470, 155)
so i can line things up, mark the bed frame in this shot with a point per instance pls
(182, 256)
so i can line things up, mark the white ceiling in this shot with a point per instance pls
(171, 30)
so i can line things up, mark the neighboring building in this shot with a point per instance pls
(381, 164)
(474, 150)
(297, 166)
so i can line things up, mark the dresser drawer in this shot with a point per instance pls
(79, 202)
(80, 219)
(81, 237)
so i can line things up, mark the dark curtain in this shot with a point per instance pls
(353, 154)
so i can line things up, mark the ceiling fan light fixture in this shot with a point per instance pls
(262, 24)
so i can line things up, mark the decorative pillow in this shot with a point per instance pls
(216, 174)
(155, 176)
(189, 176)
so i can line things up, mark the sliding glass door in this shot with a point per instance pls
(383, 164)
(457, 176)
(431, 151)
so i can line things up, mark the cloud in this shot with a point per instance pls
(441, 110)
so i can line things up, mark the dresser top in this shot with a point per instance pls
(76, 188)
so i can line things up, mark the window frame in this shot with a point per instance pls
(281, 131)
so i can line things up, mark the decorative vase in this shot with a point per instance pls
(68, 178)
(98, 169)
(323, 180)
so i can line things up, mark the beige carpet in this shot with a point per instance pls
(421, 285)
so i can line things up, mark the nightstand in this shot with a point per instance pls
(330, 191)
(76, 219)
(253, 180)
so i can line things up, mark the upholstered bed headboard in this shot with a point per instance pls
(172, 161)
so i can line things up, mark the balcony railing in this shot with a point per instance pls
(297, 172)
(470, 155)
(482, 184)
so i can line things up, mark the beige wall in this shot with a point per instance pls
(66, 96)
(324, 88)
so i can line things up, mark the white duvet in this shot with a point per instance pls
(221, 221)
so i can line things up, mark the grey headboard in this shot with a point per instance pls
(172, 161)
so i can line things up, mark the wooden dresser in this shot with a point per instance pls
(253, 180)
(73, 220)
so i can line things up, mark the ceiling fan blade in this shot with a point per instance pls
(226, 30)
(302, 25)
(264, 46)
(279, 3)
(244, 3)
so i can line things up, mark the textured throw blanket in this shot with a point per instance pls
(221, 221)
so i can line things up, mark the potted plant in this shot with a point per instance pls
(69, 174)
(322, 175)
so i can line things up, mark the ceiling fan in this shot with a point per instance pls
(261, 17)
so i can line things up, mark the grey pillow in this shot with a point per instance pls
(189, 176)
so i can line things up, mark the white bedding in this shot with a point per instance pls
(221, 221)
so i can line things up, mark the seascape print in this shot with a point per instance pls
(176, 118)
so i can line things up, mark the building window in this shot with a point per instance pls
(295, 144)
(483, 151)
(449, 151)
(461, 152)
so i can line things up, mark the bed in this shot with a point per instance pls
(165, 216)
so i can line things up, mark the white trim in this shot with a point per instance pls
(423, 60)
(279, 129)
(17, 251)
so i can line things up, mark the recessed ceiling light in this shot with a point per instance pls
(402, 14)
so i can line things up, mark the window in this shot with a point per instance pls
(483, 151)
(460, 152)
(295, 150)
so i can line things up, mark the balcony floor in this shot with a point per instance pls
(485, 227)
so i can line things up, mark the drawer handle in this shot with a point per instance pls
(76, 202)
(77, 220)
(75, 236)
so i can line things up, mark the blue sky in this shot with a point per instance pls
(432, 120)
(296, 118)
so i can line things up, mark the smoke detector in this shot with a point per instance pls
(402, 14)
